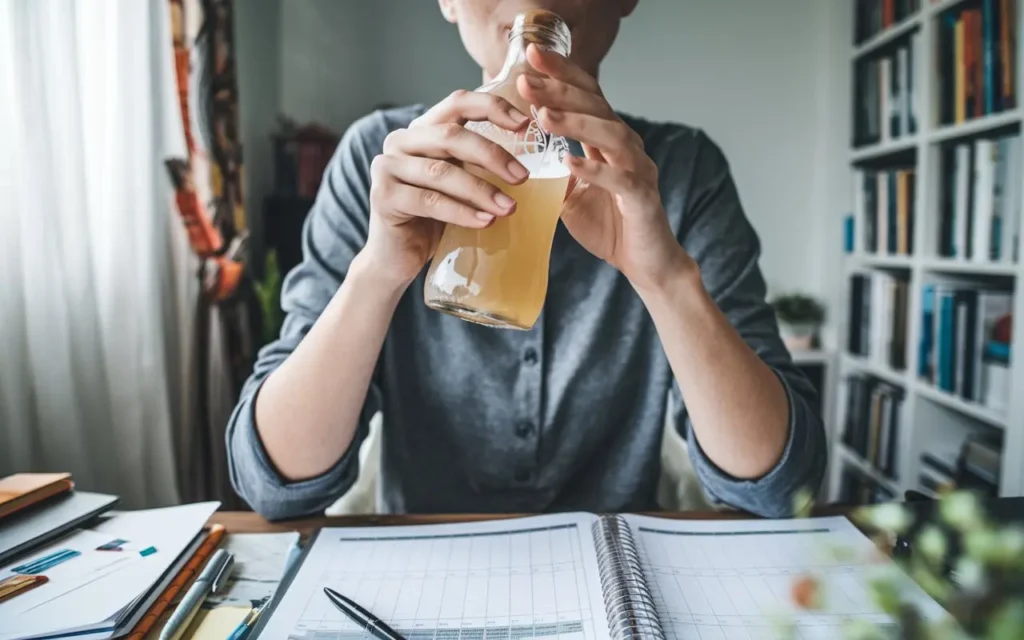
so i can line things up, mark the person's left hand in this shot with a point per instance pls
(614, 210)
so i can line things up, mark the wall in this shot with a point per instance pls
(750, 73)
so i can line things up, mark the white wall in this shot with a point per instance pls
(752, 74)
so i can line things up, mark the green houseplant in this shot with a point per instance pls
(800, 317)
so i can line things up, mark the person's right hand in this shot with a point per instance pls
(419, 183)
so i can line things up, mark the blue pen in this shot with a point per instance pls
(248, 622)
(44, 563)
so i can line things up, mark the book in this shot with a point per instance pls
(583, 575)
(872, 421)
(980, 200)
(976, 66)
(22, 490)
(884, 204)
(962, 337)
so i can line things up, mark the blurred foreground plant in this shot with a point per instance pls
(971, 565)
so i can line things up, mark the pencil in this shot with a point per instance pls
(148, 621)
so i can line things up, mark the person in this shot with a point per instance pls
(655, 309)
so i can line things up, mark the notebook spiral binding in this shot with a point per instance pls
(628, 601)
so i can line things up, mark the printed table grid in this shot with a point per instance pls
(736, 585)
(510, 584)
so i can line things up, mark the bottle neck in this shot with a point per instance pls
(515, 59)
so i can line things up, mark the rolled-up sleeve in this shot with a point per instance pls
(334, 231)
(717, 233)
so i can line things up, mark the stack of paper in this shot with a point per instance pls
(98, 577)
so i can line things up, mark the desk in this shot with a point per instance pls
(247, 522)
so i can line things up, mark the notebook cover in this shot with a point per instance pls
(40, 523)
(25, 489)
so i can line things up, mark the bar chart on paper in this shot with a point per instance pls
(494, 582)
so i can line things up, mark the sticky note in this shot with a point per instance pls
(148, 551)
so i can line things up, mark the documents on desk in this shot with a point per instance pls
(97, 577)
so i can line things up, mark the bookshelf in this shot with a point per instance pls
(929, 418)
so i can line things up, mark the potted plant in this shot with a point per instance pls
(799, 317)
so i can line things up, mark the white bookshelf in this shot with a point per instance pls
(929, 413)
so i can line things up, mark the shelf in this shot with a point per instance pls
(881, 261)
(869, 470)
(974, 127)
(883, 372)
(950, 401)
(883, 149)
(815, 356)
(885, 37)
(951, 265)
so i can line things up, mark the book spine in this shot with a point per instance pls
(958, 245)
(984, 190)
(945, 341)
(989, 55)
(959, 75)
(885, 98)
(629, 603)
(1007, 52)
(1012, 202)
(925, 360)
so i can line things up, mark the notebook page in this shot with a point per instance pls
(535, 577)
(734, 578)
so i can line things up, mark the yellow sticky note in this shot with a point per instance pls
(216, 624)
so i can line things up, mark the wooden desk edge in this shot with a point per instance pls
(248, 522)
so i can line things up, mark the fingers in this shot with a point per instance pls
(617, 142)
(448, 179)
(635, 189)
(463, 106)
(556, 66)
(557, 94)
(453, 141)
(391, 198)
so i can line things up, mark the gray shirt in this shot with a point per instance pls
(566, 416)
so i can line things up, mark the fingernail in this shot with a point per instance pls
(534, 82)
(517, 170)
(553, 115)
(518, 116)
(484, 217)
(504, 201)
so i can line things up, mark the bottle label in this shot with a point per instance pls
(542, 153)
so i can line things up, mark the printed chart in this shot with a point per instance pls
(493, 583)
(737, 583)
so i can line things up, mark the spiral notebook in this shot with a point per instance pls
(584, 576)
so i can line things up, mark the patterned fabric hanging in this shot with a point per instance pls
(209, 196)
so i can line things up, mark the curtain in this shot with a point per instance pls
(94, 267)
(208, 185)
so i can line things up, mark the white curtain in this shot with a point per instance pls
(94, 271)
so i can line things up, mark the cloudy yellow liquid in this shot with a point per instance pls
(498, 276)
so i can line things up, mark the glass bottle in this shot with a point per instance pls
(498, 276)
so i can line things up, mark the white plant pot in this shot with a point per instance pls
(798, 337)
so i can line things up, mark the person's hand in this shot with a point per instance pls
(419, 183)
(614, 210)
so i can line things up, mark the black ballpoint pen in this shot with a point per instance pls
(361, 616)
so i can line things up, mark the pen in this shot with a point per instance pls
(362, 617)
(189, 605)
(248, 622)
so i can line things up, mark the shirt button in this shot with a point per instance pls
(530, 356)
(522, 474)
(524, 429)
